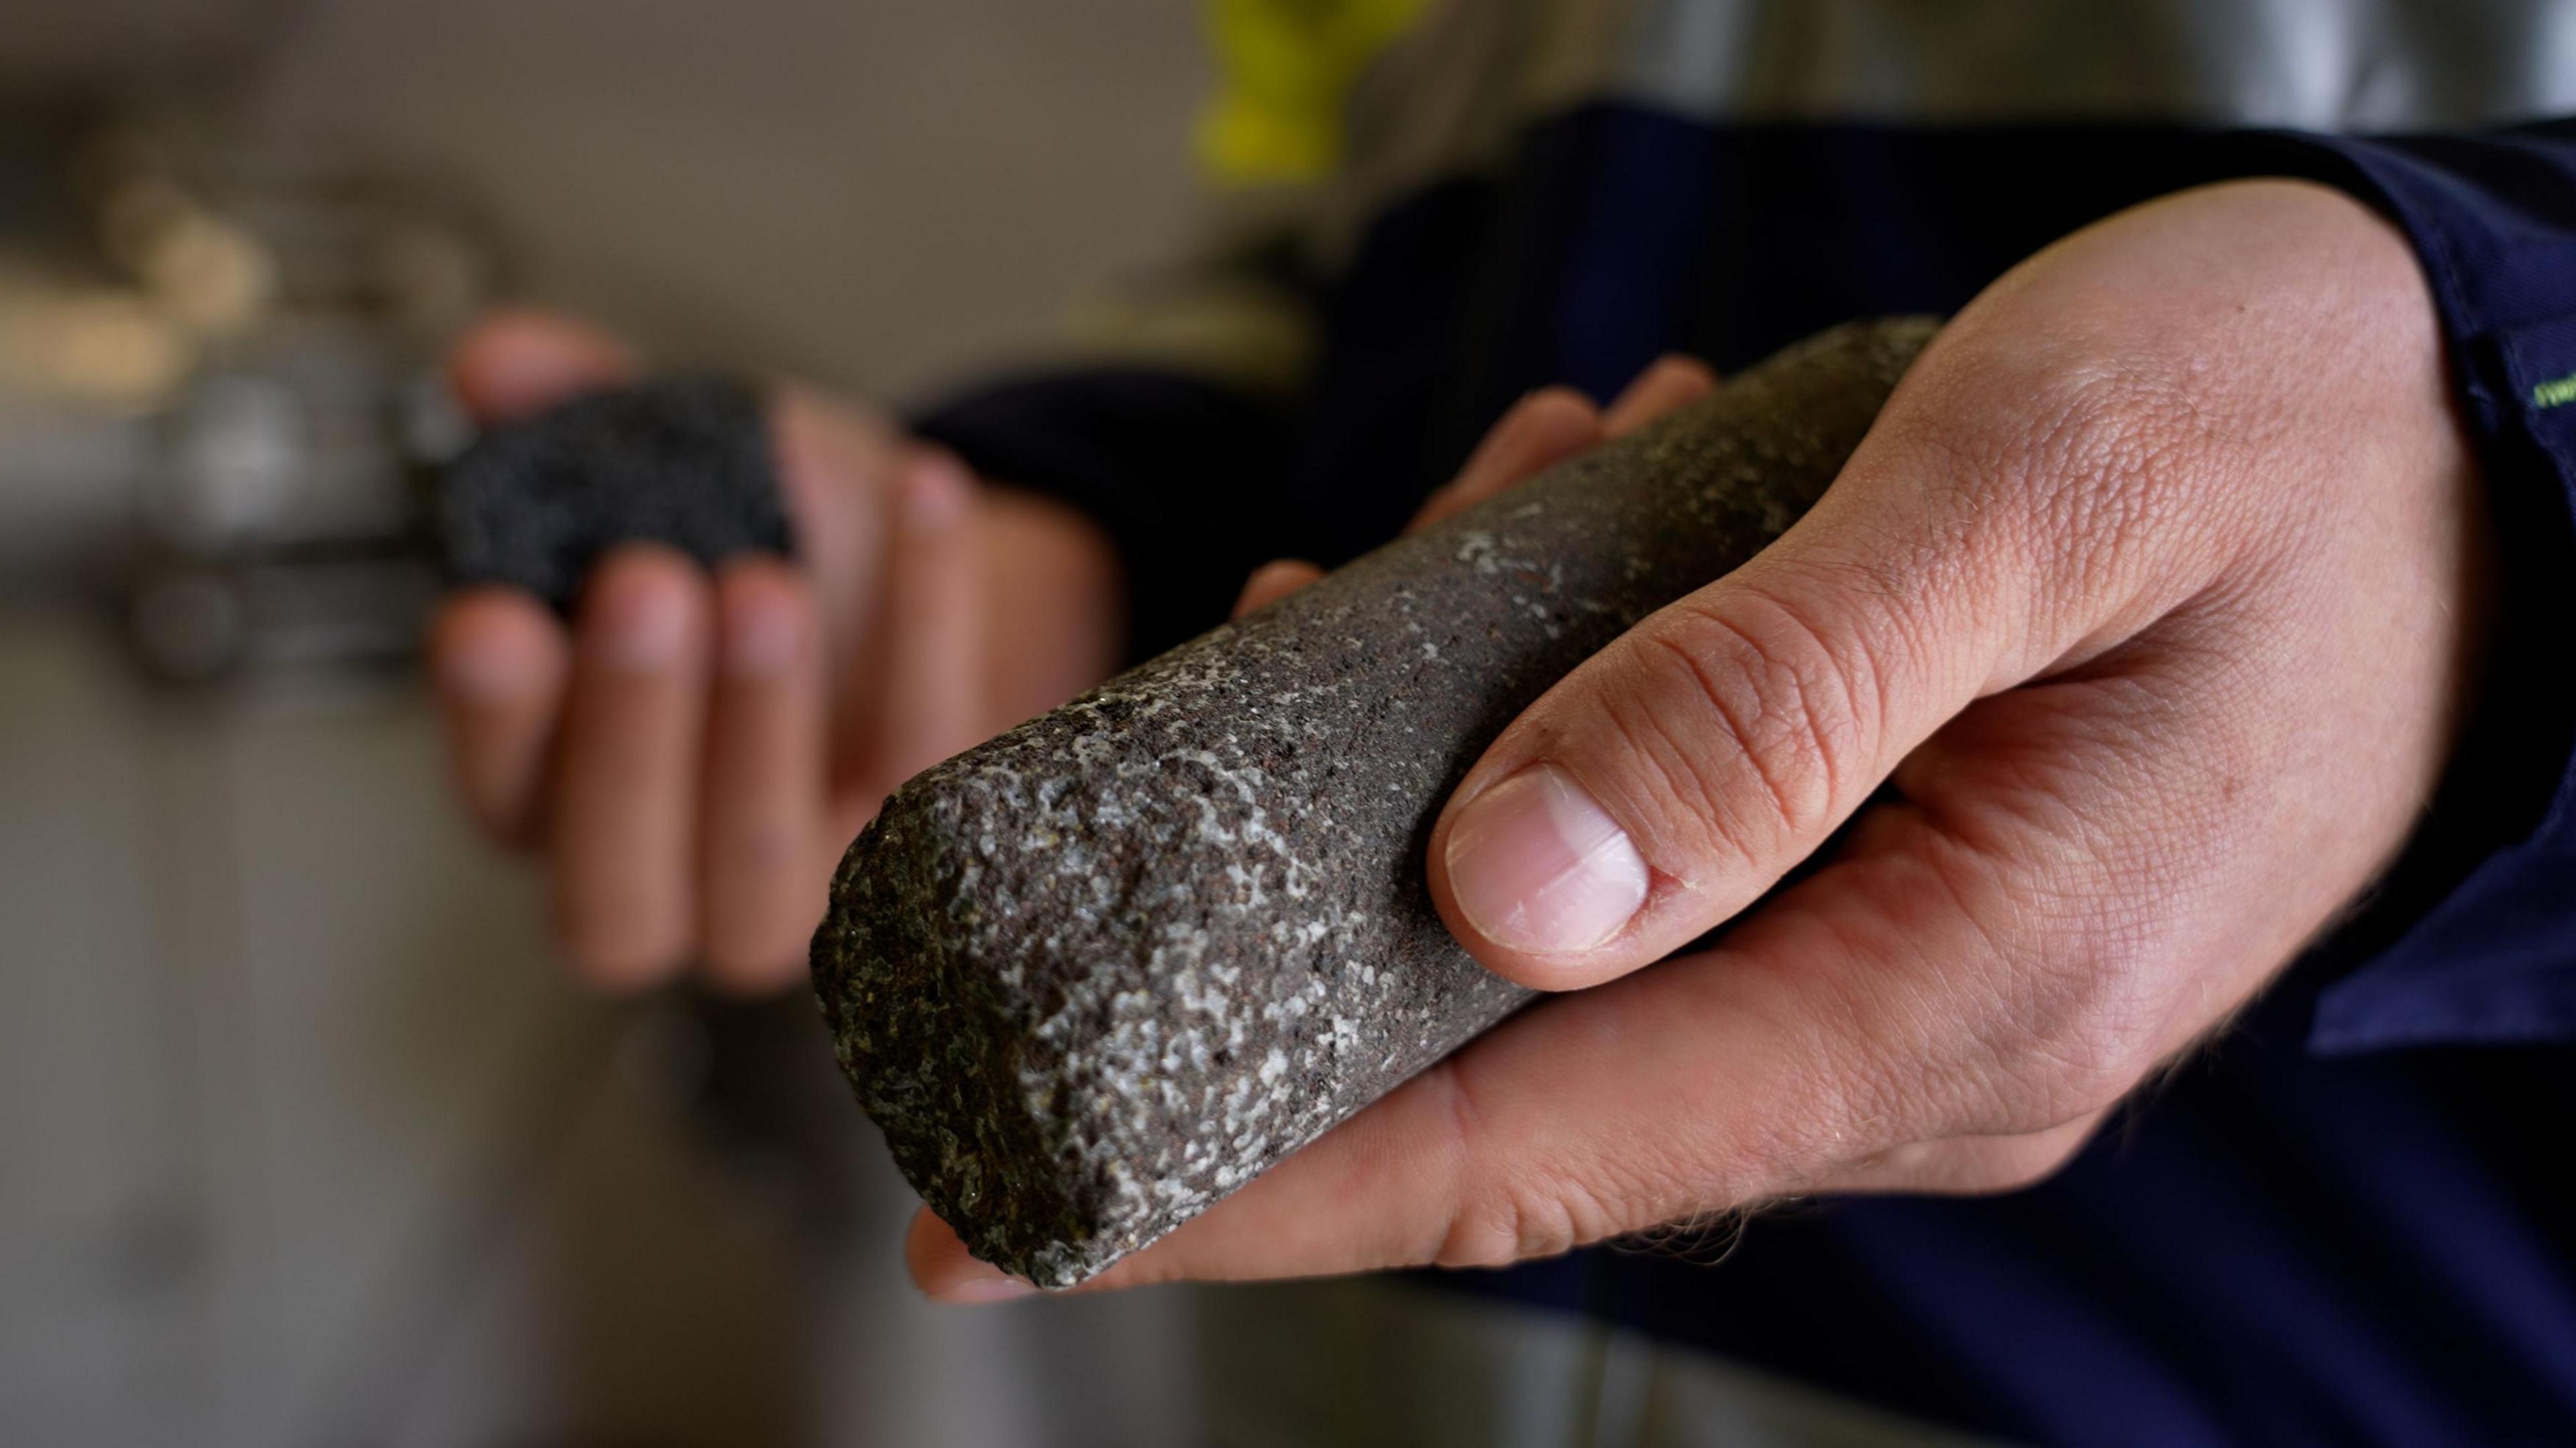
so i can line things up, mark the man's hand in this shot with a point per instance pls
(694, 753)
(2135, 636)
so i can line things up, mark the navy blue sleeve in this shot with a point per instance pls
(1177, 469)
(2477, 927)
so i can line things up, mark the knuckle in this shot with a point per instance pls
(2077, 454)
(1502, 1210)
(2075, 1037)
(2105, 451)
(2069, 1075)
(1878, 1096)
(1753, 721)
(1864, 1092)
(1529, 1214)
(2098, 998)
(2046, 1011)
(1497, 1227)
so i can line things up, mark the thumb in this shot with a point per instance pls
(1677, 775)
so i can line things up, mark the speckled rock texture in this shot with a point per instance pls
(1095, 974)
(681, 460)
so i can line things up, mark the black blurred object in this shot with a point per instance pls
(680, 460)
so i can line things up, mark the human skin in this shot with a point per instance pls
(692, 754)
(2129, 645)
(690, 801)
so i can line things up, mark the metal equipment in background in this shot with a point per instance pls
(218, 392)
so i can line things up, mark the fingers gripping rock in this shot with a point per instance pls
(1095, 974)
(678, 460)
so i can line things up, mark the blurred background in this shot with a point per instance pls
(303, 1138)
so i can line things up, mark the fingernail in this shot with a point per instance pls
(1535, 864)
(645, 630)
(760, 639)
(996, 1288)
(936, 493)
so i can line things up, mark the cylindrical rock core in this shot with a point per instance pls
(1097, 973)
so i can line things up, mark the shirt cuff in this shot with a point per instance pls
(2471, 939)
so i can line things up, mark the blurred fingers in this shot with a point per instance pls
(1272, 582)
(839, 467)
(498, 664)
(762, 862)
(1555, 423)
(1539, 431)
(517, 362)
(1673, 381)
(925, 698)
(945, 1271)
(1542, 429)
(628, 768)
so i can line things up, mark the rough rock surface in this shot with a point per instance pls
(1099, 972)
(677, 460)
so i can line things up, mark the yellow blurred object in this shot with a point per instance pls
(209, 272)
(212, 274)
(1285, 67)
(96, 346)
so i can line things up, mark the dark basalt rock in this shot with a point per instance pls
(678, 460)
(1099, 972)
